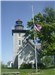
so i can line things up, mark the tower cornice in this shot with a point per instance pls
(19, 31)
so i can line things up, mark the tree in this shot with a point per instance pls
(49, 15)
(47, 34)
(47, 60)
(3, 65)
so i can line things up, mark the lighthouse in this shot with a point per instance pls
(18, 34)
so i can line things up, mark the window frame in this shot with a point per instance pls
(19, 42)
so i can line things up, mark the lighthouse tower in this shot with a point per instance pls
(18, 36)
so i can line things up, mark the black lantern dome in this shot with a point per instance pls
(19, 25)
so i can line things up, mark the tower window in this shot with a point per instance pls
(19, 42)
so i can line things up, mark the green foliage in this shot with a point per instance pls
(40, 65)
(47, 60)
(49, 15)
(3, 66)
(47, 34)
(25, 66)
